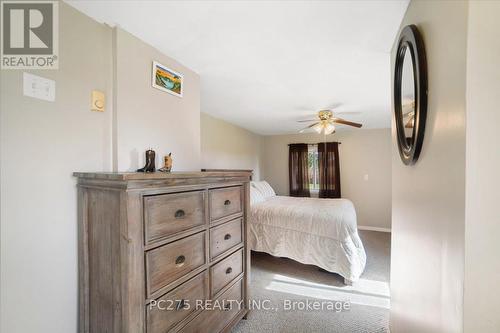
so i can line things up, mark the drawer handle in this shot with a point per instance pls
(229, 270)
(180, 261)
(227, 237)
(181, 305)
(227, 202)
(179, 214)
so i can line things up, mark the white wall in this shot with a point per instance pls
(42, 143)
(428, 199)
(482, 229)
(148, 117)
(362, 152)
(227, 146)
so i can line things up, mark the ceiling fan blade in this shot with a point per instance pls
(346, 122)
(334, 106)
(353, 113)
(308, 127)
(306, 121)
(409, 123)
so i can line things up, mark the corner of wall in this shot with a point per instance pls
(113, 108)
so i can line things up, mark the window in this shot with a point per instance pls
(312, 161)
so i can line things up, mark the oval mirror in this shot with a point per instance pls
(410, 94)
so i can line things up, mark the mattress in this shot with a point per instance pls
(321, 232)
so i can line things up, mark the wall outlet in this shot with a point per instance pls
(39, 87)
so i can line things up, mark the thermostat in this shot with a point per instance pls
(97, 101)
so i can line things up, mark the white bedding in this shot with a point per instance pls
(322, 232)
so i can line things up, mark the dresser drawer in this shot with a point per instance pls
(167, 214)
(213, 321)
(225, 271)
(225, 201)
(167, 263)
(225, 236)
(173, 307)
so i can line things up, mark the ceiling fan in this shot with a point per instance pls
(326, 122)
(409, 114)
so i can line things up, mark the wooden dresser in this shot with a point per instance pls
(162, 252)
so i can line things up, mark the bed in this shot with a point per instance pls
(321, 232)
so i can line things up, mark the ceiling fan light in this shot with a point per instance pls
(329, 129)
(318, 127)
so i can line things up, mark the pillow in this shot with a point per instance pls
(265, 189)
(255, 196)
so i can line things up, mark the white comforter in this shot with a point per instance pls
(322, 232)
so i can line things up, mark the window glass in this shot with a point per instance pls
(312, 160)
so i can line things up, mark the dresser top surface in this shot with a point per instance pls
(162, 175)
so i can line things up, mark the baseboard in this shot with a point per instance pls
(365, 227)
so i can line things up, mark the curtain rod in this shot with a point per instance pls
(314, 143)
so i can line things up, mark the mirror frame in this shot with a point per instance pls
(411, 41)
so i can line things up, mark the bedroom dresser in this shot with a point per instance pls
(163, 252)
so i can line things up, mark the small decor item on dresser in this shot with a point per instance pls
(167, 163)
(150, 162)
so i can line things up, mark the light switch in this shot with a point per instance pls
(366, 177)
(39, 87)
(98, 102)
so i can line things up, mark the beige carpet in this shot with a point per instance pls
(275, 280)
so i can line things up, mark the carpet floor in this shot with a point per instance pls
(283, 287)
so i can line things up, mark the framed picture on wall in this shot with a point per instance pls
(165, 79)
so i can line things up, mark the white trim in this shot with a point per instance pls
(365, 227)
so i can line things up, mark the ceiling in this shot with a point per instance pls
(264, 65)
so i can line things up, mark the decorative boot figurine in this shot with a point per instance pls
(167, 166)
(150, 162)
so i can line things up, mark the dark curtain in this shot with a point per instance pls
(329, 170)
(298, 170)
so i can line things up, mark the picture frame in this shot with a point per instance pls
(166, 79)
